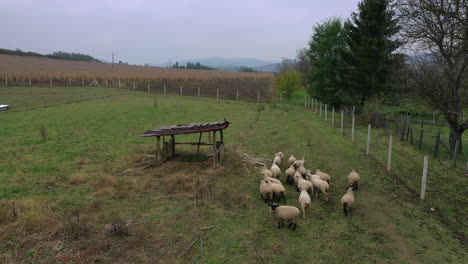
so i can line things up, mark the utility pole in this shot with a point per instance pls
(112, 59)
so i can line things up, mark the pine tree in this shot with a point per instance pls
(372, 45)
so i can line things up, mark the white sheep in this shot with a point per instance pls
(302, 170)
(275, 170)
(348, 200)
(290, 174)
(324, 176)
(292, 159)
(285, 213)
(304, 185)
(304, 201)
(278, 191)
(278, 159)
(354, 179)
(309, 176)
(299, 163)
(322, 186)
(273, 180)
(266, 190)
(266, 172)
(296, 176)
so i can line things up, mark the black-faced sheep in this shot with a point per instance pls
(284, 213)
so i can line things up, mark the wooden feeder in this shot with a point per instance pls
(168, 148)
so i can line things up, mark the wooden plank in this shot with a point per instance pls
(215, 162)
(158, 149)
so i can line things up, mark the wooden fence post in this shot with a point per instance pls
(6, 81)
(455, 153)
(119, 83)
(148, 88)
(237, 95)
(436, 145)
(316, 105)
(258, 97)
(29, 79)
(50, 78)
(69, 82)
(320, 109)
(181, 90)
(326, 112)
(305, 101)
(198, 91)
(106, 83)
(352, 130)
(341, 126)
(433, 119)
(133, 86)
(389, 158)
(424, 178)
(164, 89)
(217, 94)
(421, 134)
(281, 98)
(368, 138)
(333, 116)
(82, 80)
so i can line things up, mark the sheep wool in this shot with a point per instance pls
(266, 191)
(292, 159)
(322, 186)
(304, 185)
(290, 174)
(354, 179)
(273, 180)
(347, 201)
(278, 191)
(267, 173)
(324, 176)
(285, 213)
(304, 201)
(275, 170)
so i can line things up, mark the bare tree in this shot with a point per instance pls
(439, 29)
(303, 65)
(286, 65)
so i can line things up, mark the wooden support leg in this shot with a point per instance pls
(199, 140)
(215, 162)
(221, 135)
(173, 146)
(158, 150)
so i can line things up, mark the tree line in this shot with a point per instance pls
(190, 65)
(54, 55)
(386, 51)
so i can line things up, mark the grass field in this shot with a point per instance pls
(58, 195)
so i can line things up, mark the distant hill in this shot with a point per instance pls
(273, 67)
(222, 63)
(55, 55)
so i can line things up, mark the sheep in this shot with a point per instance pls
(273, 180)
(266, 172)
(324, 176)
(304, 201)
(322, 186)
(309, 176)
(292, 159)
(285, 213)
(304, 185)
(266, 190)
(296, 176)
(278, 158)
(302, 170)
(278, 191)
(299, 163)
(275, 170)
(290, 174)
(348, 200)
(353, 179)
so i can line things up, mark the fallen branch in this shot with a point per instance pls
(191, 245)
(207, 227)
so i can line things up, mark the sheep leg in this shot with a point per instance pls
(294, 228)
(284, 198)
(279, 225)
(344, 209)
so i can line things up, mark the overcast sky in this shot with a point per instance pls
(154, 31)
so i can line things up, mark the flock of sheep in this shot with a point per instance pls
(272, 189)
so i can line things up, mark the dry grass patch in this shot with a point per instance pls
(78, 178)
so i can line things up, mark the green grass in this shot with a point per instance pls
(84, 166)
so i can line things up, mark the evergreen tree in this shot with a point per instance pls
(371, 42)
(326, 48)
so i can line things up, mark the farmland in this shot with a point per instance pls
(25, 70)
(59, 194)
